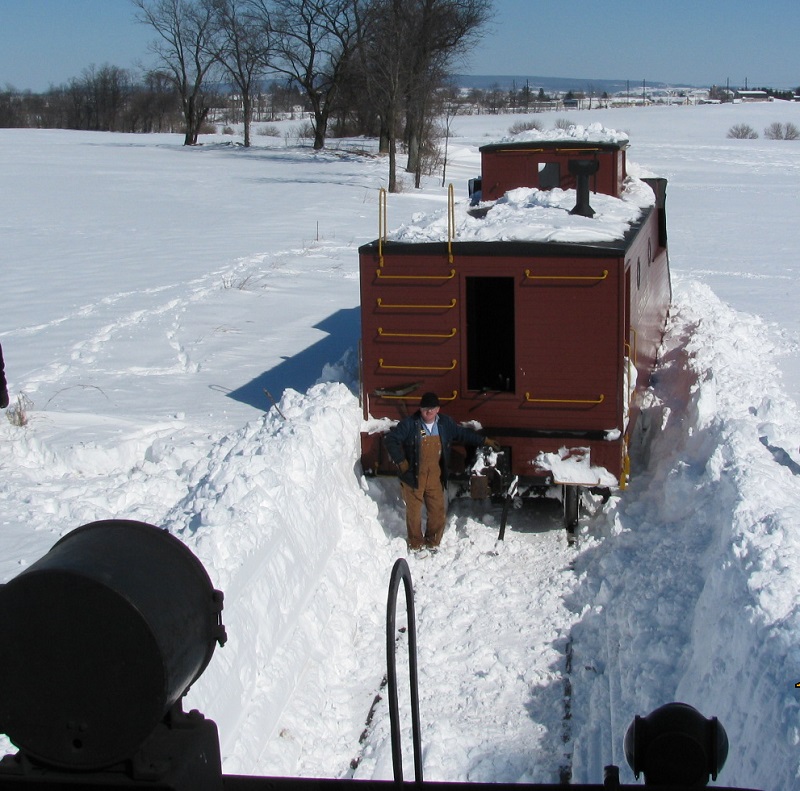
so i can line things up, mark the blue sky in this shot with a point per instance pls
(47, 42)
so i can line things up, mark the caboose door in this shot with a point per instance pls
(490, 334)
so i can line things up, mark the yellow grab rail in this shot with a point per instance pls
(598, 400)
(451, 222)
(416, 397)
(529, 276)
(381, 223)
(452, 304)
(634, 354)
(416, 367)
(552, 150)
(416, 277)
(631, 361)
(625, 473)
(384, 334)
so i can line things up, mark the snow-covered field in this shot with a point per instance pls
(180, 326)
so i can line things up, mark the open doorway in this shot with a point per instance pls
(490, 334)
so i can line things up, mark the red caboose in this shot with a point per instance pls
(536, 314)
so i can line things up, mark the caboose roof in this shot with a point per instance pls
(574, 137)
(521, 248)
(552, 145)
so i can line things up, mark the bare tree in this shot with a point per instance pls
(405, 53)
(383, 66)
(244, 51)
(742, 132)
(186, 47)
(452, 102)
(97, 99)
(442, 30)
(313, 42)
(154, 106)
(779, 131)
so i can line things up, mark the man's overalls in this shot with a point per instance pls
(430, 492)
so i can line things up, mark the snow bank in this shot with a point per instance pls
(688, 586)
(278, 519)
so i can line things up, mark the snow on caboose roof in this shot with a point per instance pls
(593, 133)
(533, 215)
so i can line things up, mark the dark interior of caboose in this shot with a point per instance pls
(490, 333)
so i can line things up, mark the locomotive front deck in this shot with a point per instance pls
(545, 342)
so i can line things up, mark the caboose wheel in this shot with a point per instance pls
(571, 497)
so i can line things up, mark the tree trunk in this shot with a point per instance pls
(321, 116)
(194, 121)
(247, 110)
(383, 140)
(412, 133)
(392, 164)
(319, 133)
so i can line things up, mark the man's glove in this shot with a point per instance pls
(491, 443)
(403, 466)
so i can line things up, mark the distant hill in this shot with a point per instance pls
(554, 84)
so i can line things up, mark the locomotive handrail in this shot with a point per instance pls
(598, 400)
(451, 222)
(417, 367)
(401, 573)
(384, 334)
(529, 276)
(452, 304)
(416, 397)
(381, 223)
(449, 276)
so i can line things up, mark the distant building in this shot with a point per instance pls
(753, 96)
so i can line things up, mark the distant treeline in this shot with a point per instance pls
(110, 99)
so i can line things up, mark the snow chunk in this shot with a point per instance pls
(573, 465)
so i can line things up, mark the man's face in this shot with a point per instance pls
(429, 413)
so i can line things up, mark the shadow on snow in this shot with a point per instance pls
(303, 370)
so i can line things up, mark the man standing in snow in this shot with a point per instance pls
(3, 385)
(420, 447)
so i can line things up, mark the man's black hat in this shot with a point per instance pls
(429, 401)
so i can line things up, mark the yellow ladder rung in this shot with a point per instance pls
(384, 334)
(416, 367)
(452, 304)
(416, 397)
(530, 276)
(598, 400)
(415, 277)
